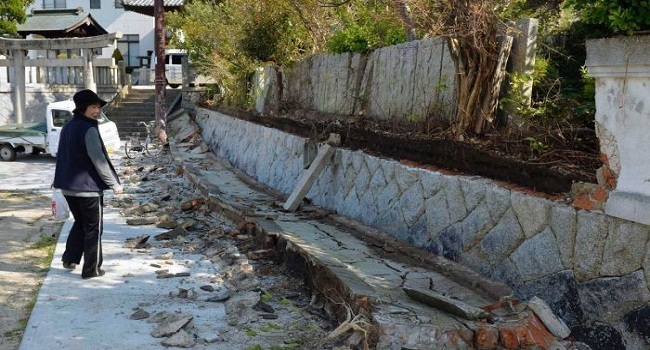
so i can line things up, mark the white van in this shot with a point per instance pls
(173, 66)
(58, 113)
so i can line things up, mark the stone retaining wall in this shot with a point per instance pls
(410, 81)
(592, 269)
(36, 101)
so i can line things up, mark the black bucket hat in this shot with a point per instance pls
(84, 98)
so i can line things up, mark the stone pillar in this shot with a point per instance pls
(621, 67)
(266, 90)
(19, 75)
(121, 73)
(4, 76)
(522, 55)
(89, 74)
(185, 71)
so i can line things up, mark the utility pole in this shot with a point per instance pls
(160, 80)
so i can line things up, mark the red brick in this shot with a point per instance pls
(509, 338)
(539, 334)
(610, 179)
(583, 202)
(604, 158)
(486, 338)
(526, 339)
(600, 194)
(529, 333)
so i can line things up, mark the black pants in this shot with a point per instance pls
(85, 237)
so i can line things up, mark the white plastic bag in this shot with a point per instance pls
(60, 208)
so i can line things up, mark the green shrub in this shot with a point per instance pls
(365, 29)
(619, 16)
(262, 41)
(349, 40)
(117, 55)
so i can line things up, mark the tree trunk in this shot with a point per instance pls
(404, 13)
(479, 75)
(491, 100)
(160, 81)
(479, 48)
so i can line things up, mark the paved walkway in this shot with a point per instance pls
(28, 172)
(72, 313)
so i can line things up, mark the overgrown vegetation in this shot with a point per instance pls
(364, 29)
(561, 113)
(479, 45)
(618, 16)
(228, 39)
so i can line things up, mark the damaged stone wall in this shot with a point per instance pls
(591, 268)
(413, 81)
(621, 67)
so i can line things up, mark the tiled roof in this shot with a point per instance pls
(149, 3)
(60, 21)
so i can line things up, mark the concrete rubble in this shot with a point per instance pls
(192, 227)
(478, 313)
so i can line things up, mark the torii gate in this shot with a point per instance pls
(18, 48)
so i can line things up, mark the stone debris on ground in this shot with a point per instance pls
(471, 312)
(136, 242)
(553, 323)
(159, 196)
(279, 289)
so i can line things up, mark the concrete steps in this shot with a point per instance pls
(137, 106)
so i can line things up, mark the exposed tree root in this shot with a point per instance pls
(356, 323)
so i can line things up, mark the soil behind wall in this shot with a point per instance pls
(484, 159)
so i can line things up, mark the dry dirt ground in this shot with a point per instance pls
(28, 236)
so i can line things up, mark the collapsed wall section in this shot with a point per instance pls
(592, 269)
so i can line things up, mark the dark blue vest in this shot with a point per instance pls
(74, 169)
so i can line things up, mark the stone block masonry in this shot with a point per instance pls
(412, 81)
(590, 268)
(391, 82)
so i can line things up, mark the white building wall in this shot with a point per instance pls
(621, 67)
(114, 20)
